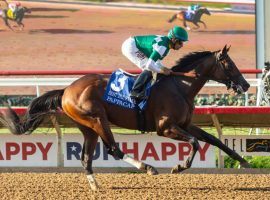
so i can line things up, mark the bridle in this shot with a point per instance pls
(222, 61)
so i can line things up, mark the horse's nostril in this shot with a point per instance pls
(246, 86)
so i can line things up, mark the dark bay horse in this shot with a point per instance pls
(169, 110)
(19, 15)
(195, 20)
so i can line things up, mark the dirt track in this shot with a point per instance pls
(134, 186)
(76, 37)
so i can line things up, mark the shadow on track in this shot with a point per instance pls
(257, 189)
(54, 9)
(68, 31)
(227, 32)
(131, 188)
(44, 16)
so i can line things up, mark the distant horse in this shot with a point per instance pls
(195, 19)
(169, 110)
(19, 15)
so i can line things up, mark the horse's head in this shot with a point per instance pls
(204, 10)
(26, 10)
(217, 66)
(226, 72)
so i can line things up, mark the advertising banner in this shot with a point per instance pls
(38, 150)
(149, 148)
(28, 150)
(248, 145)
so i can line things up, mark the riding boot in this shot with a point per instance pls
(138, 89)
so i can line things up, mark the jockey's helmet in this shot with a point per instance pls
(17, 3)
(178, 33)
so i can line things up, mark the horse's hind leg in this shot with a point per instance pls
(101, 126)
(94, 116)
(172, 18)
(89, 146)
(206, 137)
(185, 24)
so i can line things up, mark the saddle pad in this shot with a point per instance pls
(189, 15)
(118, 91)
(10, 14)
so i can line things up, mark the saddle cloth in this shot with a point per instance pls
(10, 14)
(189, 15)
(118, 90)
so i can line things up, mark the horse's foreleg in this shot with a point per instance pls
(203, 24)
(20, 24)
(206, 137)
(21, 27)
(197, 25)
(176, 133)
(89, 146)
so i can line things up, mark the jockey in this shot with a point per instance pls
(194, 7)
(147, 52)
(192, 10)
(13, 8)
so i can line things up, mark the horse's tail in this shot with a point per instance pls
(172, 18)
(48, 103)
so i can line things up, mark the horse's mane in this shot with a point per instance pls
(188, 62)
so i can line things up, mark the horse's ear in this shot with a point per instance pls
(228, 48)
(224, 50)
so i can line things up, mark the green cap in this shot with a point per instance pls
(178, 33)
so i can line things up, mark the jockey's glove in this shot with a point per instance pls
(166, 71)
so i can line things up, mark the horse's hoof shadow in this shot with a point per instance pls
(245, 165)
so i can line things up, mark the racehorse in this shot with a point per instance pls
(195, 19)
(19, 15)
(169, 110)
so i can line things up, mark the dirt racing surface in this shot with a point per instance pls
(78, 37)
(85, 37)
(134, 186)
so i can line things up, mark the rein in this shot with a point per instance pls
(220, 62)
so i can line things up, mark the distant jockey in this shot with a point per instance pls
(12, 9)
(192, 10)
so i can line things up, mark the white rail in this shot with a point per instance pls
(39, 82)
(67, 81)
(36, 81)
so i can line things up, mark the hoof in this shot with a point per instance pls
(245, 165)
(92, 182)
(151, 170)
(177, 169)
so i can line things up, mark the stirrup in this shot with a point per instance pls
(138, 96)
